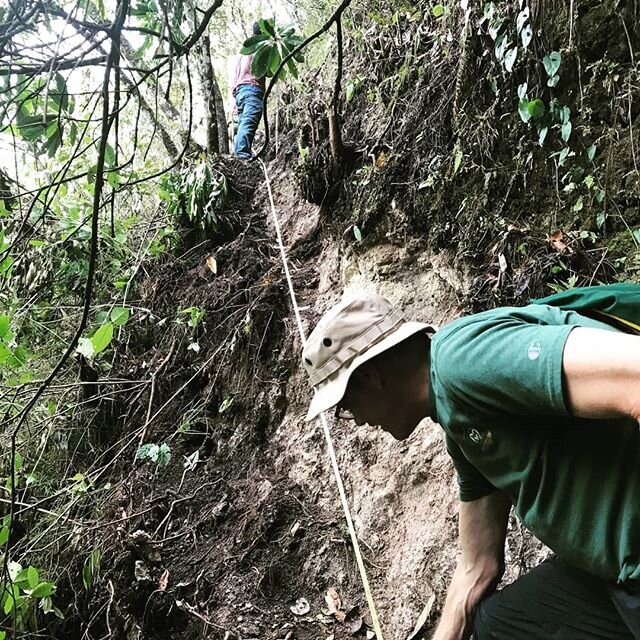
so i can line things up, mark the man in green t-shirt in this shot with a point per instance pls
(540, 408)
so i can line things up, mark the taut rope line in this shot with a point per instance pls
(325, 427)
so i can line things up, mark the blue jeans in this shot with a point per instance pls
(249, 103)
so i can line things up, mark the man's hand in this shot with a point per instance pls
(483, 528)
(602, 374)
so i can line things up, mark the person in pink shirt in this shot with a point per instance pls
(248, 92)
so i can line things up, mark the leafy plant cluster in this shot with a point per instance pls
(271, 46)
(22, 595)
(195, 194)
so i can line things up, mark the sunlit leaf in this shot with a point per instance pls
(102, 337)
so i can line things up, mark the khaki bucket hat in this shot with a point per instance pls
(354, 331)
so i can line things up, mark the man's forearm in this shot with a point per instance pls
(466, 590)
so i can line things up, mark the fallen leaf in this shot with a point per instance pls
(381, 160)
(333, 600)
(301, 607)
(212, 264)
(558, 240)
(164, 581)
(502, 261)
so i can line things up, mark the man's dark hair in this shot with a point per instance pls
(256, 29)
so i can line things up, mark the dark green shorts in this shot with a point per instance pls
(557, 602)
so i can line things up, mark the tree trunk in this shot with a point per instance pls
(207, 81)
(223, 138)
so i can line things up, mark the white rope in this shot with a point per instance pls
(325, 427)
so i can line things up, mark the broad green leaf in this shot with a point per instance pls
(591, 152)
(274, 61)
(357, 233)
(522, 91)
(495, 25)
(565, 132)
(522, 18)
(260, 64)
(267, 26)
(43, 590)
(119, 316)
(4, 536)
(501, 44)
(4, 325)
(536, 108)
(250, 44)
(553, 81)
(551, 63)
(102, 337)
(32, 577)
(526, 35)
(109, 155)
(601, 219)
(510, 59)
(523, 110)
(437, 10)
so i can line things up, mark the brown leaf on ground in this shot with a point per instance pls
(559, 241)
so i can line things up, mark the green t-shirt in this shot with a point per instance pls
(496, 389)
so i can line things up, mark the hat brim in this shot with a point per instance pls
(332, 389)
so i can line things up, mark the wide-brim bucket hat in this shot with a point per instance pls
(348, 335)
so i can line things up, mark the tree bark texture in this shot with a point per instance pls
(207, 81)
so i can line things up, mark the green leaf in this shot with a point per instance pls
(274, 61)
(553, 81)
(564, 154)
(526, 36)
(501, 44)
(268, 26)
(536, 108)
(4, 325)
(102, 337)
(32, 577)
(149, 451)
(523, 110)
(226, 403)
(357, 233)
(551, 63)
(542, 134)
(109, 155)
(4, 536)
(119, 316)
(251, 44)
(260, 64)
(565, 131)
(510, 59)
(522, 91)
(43, 590)
(522, 19)
(164, 455)
(437, 10)
(601, 219)
(591, 152)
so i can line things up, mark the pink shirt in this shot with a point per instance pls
(243, 75)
